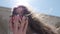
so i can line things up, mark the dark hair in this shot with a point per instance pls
(24, 9)
(34, 24)
(14, 11)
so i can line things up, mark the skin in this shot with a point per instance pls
(20, 11)
(18, 27)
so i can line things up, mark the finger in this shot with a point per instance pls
(22, 23)
(23, 19)
(18, 26)
(15, 19)
(10, 24)
(15, 28)
(20, 20)
(19, 23)
(26, 24)
(15, 24)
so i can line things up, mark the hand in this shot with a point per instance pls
(18, 28)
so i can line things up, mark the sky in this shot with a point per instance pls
(50, 7)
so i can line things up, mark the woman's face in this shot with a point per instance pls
(20, 10)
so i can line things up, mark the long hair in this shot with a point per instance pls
(34, 25)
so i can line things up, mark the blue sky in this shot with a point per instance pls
(50, 7)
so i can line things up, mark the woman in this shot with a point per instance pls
(23, 22)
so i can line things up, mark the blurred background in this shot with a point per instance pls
(48, 10)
